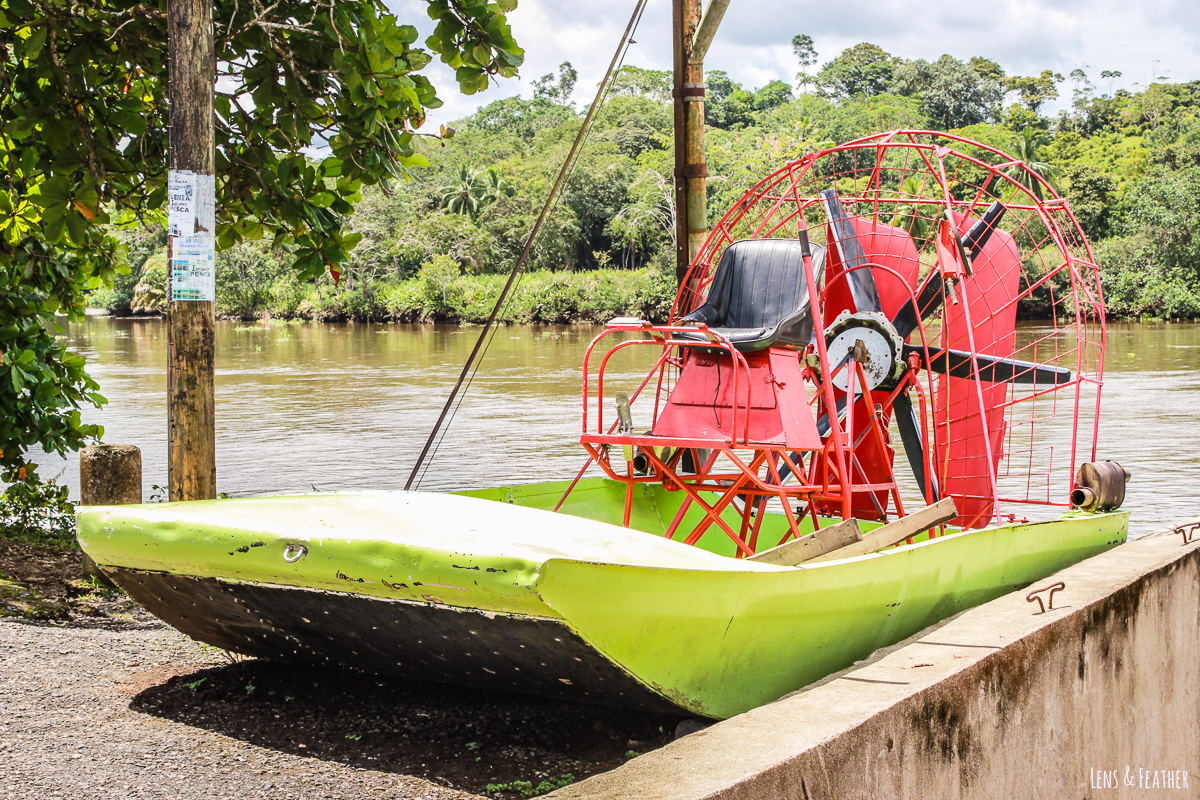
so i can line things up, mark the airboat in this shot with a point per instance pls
(743, 525)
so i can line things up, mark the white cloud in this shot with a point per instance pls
(754, 42)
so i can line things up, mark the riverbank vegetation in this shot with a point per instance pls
(434, 247)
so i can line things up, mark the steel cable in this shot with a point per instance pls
(470, 368)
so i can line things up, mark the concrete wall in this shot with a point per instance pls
(1084, 701)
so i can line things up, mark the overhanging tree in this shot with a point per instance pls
(865, 69)
(83, 142)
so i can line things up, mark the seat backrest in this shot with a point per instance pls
(759, 283)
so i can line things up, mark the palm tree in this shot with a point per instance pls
(494, 187)
(464, 193)
(1026, 146)
(471, 190)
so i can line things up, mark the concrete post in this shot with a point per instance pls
(109, 475)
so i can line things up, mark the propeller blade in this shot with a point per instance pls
(823, 422)
(929, 300)
(845, 239)
(983, 228)
(958, 364)
(914, 448)
(789, 466)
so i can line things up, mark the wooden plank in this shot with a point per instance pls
(809, 547)
(896, 532)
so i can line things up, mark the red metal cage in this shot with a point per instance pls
(918, 253)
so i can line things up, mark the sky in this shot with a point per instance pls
(1140, 38)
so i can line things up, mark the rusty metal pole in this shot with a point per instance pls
(692, 35)
(695, 170)
(689, 133)
(191, 429)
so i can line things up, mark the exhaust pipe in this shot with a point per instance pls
(1100, 486)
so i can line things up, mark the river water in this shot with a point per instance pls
(348, 406)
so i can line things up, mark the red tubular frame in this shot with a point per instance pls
(832, 475)
(746, 481)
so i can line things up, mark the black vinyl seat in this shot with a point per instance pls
(759, 296)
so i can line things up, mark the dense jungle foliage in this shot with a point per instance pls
(1128, 161)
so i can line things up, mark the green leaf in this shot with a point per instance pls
(76, 227)
(252, 231)
(227, 238)
(394, 45)
(323, 199)
(465, 75)
(507, 5)
(53, 226)
(418, 59)
(54, 191)
(90, 198)
(35, 42)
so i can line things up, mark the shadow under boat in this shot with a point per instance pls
(457, 737)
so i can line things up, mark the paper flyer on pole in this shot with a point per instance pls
(191, 203)
(193, 273)
(181, 203)
(205, 208)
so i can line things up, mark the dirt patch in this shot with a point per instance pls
(45, 583)
(50, 572)
(485, 742)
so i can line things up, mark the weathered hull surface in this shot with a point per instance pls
(506, 595)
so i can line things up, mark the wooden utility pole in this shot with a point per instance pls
(688, 93)
(692, 37)
(191, 431)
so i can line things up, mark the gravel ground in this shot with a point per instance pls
(68, 728)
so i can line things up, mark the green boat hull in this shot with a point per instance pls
(490, 588)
